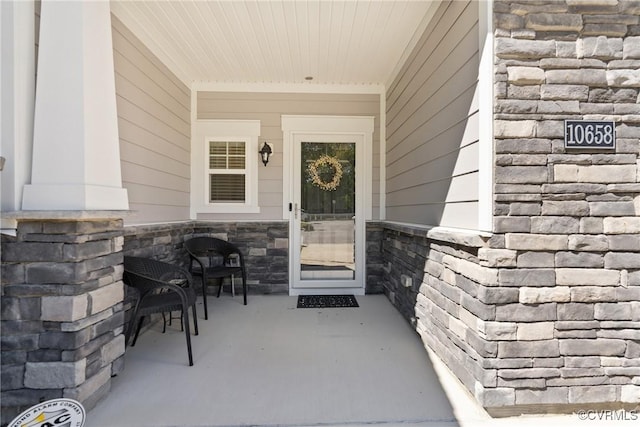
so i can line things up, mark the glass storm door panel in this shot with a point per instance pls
(327, 209)
(327, 222)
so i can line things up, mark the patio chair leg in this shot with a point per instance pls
(195, 319)
(132, 324)
(244, 285)
(221, 281)
(170, 314)
(204, 296)
(164, 322)
(135, 337)
(185, 318)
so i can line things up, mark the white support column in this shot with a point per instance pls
(76, 155)
(485, 104)
(17, 91)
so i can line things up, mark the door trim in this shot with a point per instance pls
(301, 285)
(360, 125)
(294, 126)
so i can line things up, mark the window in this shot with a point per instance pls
(227, 171)
(225, 166)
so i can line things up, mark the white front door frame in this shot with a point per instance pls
(361, 126)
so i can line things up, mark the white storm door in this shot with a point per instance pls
(327, 225)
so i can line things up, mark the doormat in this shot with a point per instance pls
(326, 301)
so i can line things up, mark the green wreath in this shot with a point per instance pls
(329, 161)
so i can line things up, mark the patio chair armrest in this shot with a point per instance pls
(148, 285)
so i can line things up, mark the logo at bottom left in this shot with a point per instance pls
(52, 413)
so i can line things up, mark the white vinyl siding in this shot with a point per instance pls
(432, 125)
(155, 132)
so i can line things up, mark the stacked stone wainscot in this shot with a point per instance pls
(544, 314)
(568, 218)
(62, 311)
(63, 299)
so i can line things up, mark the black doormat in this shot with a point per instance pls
(326, 301)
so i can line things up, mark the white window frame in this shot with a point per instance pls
(247, 131)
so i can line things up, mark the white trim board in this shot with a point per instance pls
(289, 88)
(291, 125)
(295, 129)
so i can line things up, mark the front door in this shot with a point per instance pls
(328, 223)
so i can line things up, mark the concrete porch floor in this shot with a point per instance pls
(271, 364)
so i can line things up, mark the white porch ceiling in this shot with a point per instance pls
(253, 42)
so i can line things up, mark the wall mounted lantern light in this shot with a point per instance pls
(265, 152)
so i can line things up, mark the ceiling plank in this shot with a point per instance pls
(275, 42)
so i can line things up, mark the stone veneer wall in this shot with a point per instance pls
(569, 218)
(375, 261)
(264, 245)
(163, 242)
(435, 279)
(543, 315)
(517, 343)
(62, 311)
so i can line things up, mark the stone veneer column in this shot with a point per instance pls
(62, 309)
(543, 315)
(568, 219)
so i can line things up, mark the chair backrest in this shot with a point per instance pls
(145, 273)
(203, 246)
(146, 266)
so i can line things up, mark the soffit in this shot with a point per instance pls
(357, 42)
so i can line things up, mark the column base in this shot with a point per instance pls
(73, 197)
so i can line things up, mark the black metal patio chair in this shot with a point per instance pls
(163, 288)
(212, 258)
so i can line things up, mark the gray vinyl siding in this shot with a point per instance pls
(432, 125)
(155, 132)
(268, 108)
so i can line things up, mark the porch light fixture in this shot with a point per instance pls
(265, 152)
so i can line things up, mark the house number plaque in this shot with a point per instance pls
(589, 134)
